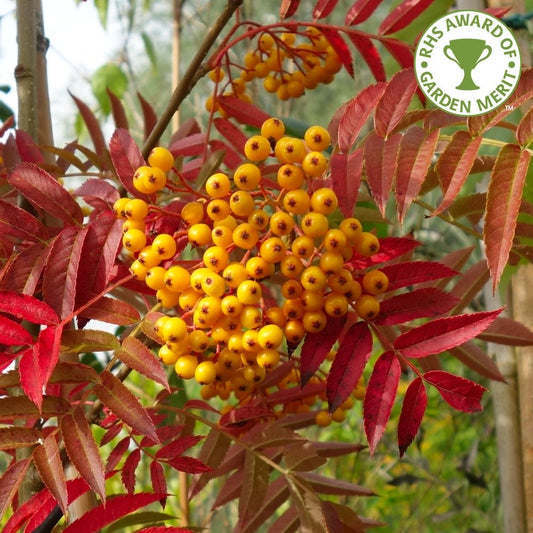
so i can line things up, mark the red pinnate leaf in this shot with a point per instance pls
(442, 334)
(389, 248)
(65, 372)
(93, 126)
(414, 158)
(22, 407)
(317, 345)
(461, 393)
(471, 355)
(193, 144)
(117, 110)
(413, 409)
(13, 437)
(256, 474)
(158, 479)
(45, 192)
(165, 529)
(13, 334)
(23, 274)
(503, 204)
(329, 485)
(61, 270)
(184, 463)
(112, 311)
(82, 450)
(288, 8)
(346, 171)
(127, 474)
(6, 359)
(421, 303)
(19, 225)
(360, 11)
(178, 446)
(454, 166)
(414, 272)
(323, 8)
(379, 398)
(401, 52)
(10, 482)
(47, 349)
(149, 115)
(30, 376)
(242, 111)
(394, 102)
(524, 131)
(38, 506)
(47, 459)
(126, 158)
(370, 54)
(349, 363)
(231, 133)
(98, 193)
(137, 356)
(356, 113)
(339, 45)
(115, 508)
(522, 93)
(402, 15)
(380, 165)
(116, 454)
(121, 401)
(508, 331)
(28, 308)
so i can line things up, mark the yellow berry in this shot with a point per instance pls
(185, 366)
(165, 245)
(317, 138)
(367, 307)
(134, 240)
(375, 282)
(257, 148)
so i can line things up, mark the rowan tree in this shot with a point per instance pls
(260, 265)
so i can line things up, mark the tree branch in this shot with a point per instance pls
(194, 73)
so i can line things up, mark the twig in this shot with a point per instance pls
(194, 73)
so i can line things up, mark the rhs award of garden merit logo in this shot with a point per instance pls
(467, 63)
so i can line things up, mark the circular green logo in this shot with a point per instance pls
(467, 63)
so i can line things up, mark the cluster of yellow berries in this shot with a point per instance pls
(269, 267)
(287, 63)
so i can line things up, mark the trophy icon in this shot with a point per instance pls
(467, 53)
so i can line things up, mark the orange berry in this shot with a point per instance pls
(257, 148)
(317, 138)
(162, 158)
(367, 307)
(375, 282)
(247, 176)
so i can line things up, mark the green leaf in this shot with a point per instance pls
(144, 518)
(149, 48)
(102, 8)
(112, 77)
